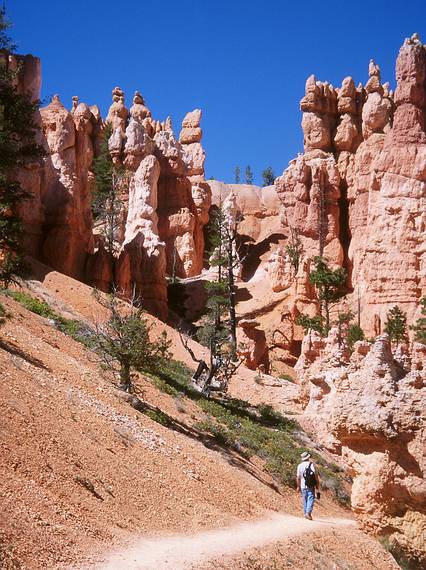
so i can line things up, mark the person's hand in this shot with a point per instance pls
(318, 495)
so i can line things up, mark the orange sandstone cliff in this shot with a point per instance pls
(165, 207)
(357, 194)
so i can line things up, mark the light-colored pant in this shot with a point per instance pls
(308, 500)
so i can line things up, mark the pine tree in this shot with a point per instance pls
(268, 176)
(18, 146)
(124, 342)
(249, 175)
(355, 333)
(329, 284)
(237, 175)
(294, 249)
(217, 332)
(6, 42)
(107, 206)
(311, 323)
(218, 326)
(419, 327)
(396, 325)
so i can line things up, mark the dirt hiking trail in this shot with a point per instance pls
(181, 551)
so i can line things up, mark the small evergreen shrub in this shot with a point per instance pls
(355, 333)
(419, 326)
(396, 325)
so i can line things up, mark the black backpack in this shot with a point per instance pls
(310, 477)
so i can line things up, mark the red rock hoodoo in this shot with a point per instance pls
(164, 209)
(357, 194)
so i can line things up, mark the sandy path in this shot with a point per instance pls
(177, 552)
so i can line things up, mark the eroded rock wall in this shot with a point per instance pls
(358, 193)
(66, 196)
(165, 199)
(369, 406)
(27, 79)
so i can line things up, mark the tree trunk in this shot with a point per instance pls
(231, 294)
(321, 217)
(327, 316)
(125, 381)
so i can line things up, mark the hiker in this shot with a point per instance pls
(307, 482)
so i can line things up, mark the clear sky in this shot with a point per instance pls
(243, 62)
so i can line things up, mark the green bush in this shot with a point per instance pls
(355, 333)
(73, 328)
(158, 416)
(266, 433)
(31, 303)
(396, 325)
(172, 377)
(222, 435)
(270, 416)
(162, 385)
(77, 330)
(419, 327)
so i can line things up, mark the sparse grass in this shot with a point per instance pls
(287, 377)
(31, 303)
(158, 416)
(250, 430)
(173, 379)
(71, 327)
(269, 415)
(233, 423)
(163, 385)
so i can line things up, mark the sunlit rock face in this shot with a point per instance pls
(165, 199)
(252, 347)
(357, 194)
(369, 406)
(66, 197)
(27, 80)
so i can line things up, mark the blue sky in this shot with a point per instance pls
(244, 63)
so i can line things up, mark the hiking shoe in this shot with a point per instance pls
(308, 516)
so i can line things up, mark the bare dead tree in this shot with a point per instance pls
(214, 376)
